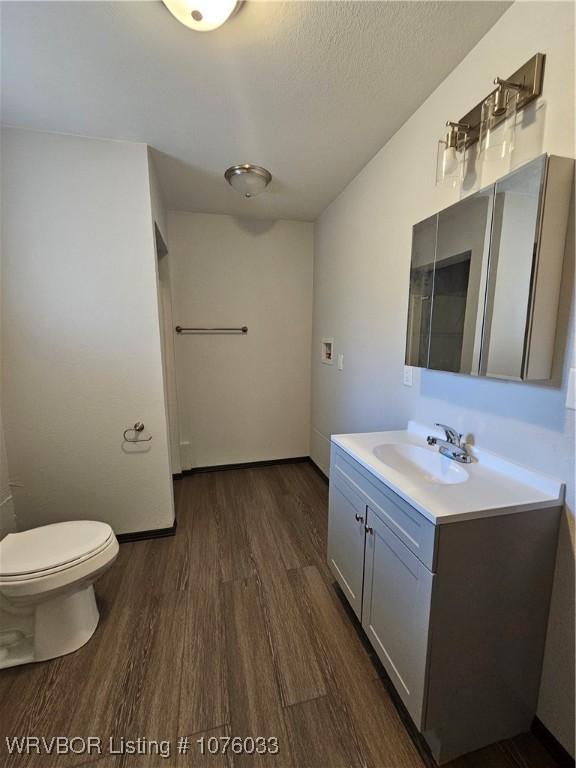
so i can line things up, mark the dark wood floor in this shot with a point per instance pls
(231, 628)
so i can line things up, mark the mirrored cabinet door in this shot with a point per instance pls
(421, 287)
(462, 249)
(517, 205)
(485, 277)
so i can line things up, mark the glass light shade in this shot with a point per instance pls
(249, 180)
(497, 132)
(201, 15)
(449, 165)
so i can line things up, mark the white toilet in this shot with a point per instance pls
(47, 603)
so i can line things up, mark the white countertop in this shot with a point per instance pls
(495, 485)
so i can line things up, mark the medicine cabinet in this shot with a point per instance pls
(485, 277)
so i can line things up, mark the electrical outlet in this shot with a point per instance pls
(407, 379)
(340, 361)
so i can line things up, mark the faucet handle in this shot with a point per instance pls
(452, 435)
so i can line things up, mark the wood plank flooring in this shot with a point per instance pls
(233, 627)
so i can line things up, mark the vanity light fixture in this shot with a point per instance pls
(505, 91)
(451, 151)
(497, 125)
(247, 179)
(500, 107)
(202, 15)
(498, 120)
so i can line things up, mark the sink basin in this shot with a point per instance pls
(421, 464)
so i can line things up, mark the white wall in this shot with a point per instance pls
(242, 398)
(7, 514)
(165, 316)
(156, 198)
(361, 294)
(81, 337)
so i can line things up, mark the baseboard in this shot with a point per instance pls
(246, 465)
(551, 743)
(252, 465)
(156, 533)
(319, 471)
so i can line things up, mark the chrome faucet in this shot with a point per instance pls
(453, 446)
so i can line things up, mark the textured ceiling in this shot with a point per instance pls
(310, 90)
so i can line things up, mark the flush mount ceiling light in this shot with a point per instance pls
(201, 15)
(248, 179)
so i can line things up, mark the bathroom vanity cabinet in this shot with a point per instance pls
(456, 611)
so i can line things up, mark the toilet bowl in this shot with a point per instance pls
(47, 603)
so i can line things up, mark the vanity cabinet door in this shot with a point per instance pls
(396, 611)
(346, 535)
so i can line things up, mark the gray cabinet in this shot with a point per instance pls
(396, 611)
(346, 541)
(456, 612)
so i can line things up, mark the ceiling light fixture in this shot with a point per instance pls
(492, 123)
(201, 15)
(248, 179)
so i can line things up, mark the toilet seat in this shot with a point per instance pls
(51, 548)
(69, 553)
(57, 569)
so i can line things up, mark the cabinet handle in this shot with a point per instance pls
(368, 529)
(359, 518)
